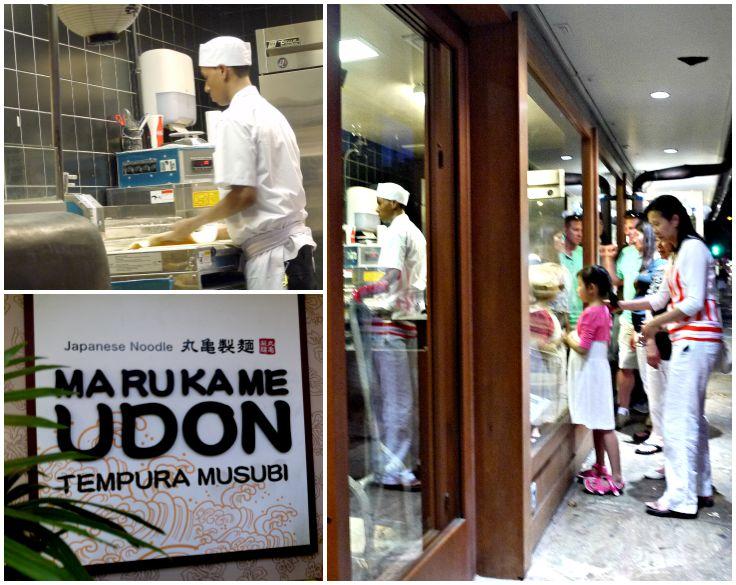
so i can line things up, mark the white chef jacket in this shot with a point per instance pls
(404, 248)
(256, 147)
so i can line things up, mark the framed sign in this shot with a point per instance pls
(196, 411)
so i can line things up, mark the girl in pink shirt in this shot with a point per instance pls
(590, 391)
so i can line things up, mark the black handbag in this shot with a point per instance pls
(663, 343)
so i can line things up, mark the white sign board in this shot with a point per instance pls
(194, 407)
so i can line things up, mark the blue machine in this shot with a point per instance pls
(169, 164)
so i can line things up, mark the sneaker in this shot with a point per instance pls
(595, 471)
(655, 473)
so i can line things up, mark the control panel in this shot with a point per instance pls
(167, 165)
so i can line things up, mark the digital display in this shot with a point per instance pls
(201, 163)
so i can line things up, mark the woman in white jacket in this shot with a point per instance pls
(694, 323)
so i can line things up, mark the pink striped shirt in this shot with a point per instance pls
(690, 285)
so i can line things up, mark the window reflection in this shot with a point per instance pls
(385, 278)
(555, 254)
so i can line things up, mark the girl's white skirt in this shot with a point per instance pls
(589, 387)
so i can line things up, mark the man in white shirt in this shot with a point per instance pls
(256, 163)
(400, 293)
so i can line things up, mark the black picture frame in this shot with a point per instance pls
(189, 560)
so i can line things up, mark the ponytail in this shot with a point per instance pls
(613, 299)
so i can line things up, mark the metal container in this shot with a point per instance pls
(191, 266)
(183, 199)
(54, 251)
(290, 64)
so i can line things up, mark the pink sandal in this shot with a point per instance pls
(594, 472)
(601, 486)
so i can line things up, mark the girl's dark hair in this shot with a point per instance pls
(597, 275)
(669, 206)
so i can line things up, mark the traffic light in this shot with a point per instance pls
(716, 250)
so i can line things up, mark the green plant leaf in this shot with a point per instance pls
(58, 549)
(130, 515)
(22, 360)
(36, 422)
(11, 351)
(42, 508)
(22, 490)
(33, 393)
(31, 370)
(52, 520)
(66, 519)
(32, 564)
(24, 463)
(11, 479)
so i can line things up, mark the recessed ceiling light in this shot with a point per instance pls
(670, 151)
(356, 50)
(659, 95)
(566, 157)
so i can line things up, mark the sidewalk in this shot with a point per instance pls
(611, 539)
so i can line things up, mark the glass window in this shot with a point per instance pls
(385, 276)
(555, 254)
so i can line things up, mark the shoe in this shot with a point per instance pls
(414, 486)
(705, 502)
(603, 486)
(647, 449)
(654, 510)
(655, 473)
(595, 471)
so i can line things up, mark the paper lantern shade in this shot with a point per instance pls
(98, 23)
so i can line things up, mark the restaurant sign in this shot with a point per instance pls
(194, 410)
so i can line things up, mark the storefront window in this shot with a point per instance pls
(385, 276)
(555, 254)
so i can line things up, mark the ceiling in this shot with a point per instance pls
(622, 53)
(378, 98)
(619, 53)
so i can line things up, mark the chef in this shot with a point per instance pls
(256, 164)
(400, 295)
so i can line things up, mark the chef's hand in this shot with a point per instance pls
(163, 239)
(182, 229)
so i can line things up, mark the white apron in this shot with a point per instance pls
(589, 388)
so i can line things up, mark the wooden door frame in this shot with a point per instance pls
(451, 554)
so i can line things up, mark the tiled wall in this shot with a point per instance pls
(97, 83)
(379, 164)
(29, 157)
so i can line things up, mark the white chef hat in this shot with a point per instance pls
(228, 51)
(393, 192)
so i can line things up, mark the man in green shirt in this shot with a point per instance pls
(624, 273)
(571, 257)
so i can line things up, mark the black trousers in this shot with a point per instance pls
(300, 270)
